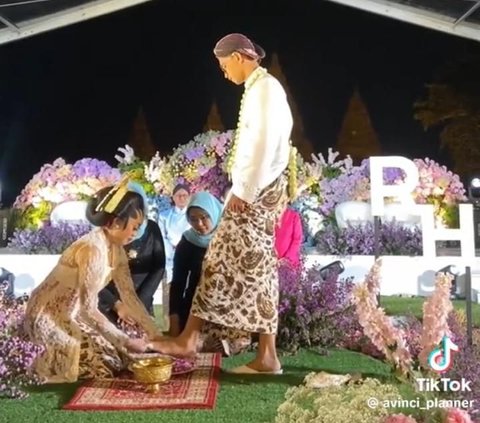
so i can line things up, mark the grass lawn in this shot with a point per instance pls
(395, 305)
(243, 399)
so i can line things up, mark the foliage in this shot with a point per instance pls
(452, 104)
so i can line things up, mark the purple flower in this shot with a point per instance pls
(17, 353)
(395, 239)
(94, 168)
(466, 365)
(194, 153)
(313, 312)
(48, 239)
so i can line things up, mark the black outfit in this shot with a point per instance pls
(7, 283)
(147, 269)
(187, 269)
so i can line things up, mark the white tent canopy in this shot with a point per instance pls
(24, 18)
(456, 17)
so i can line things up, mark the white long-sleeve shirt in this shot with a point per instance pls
(172, 223)
(263, 144)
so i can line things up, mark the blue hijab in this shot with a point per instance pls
(136, 187)
(207, 202)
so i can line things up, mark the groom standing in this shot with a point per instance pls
(239, 283)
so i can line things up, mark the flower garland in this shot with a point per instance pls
(292, 173)
(255, 76)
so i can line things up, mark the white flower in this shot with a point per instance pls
(132, 254)
(314, 221)
(153, 171)
(128, 155)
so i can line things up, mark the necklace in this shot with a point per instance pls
(257, 74)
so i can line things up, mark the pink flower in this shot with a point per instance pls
(399, 418)
(377, 325)
(455, 415)
(435, 315)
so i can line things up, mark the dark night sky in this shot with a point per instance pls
(74, 92)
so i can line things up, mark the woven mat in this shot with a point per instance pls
(195, 390)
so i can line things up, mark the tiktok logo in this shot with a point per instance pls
(441, 359)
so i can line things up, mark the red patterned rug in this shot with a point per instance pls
(194, 390)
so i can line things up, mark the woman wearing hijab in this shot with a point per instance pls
(173, 223)
(203, 213)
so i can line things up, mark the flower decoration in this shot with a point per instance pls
(344, 182)
(135, 167)
(201, 163)
(58, 182)
(440, 187)
(48, 239)
(17, 354)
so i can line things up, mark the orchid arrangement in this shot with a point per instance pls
(342, 181)
(135, 167)
(58, 182)
(440, 187)
(322, 183)
(436, 310)
(352, 184)
(390, 340)
(200, 163)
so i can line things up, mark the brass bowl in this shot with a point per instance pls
(152, 372)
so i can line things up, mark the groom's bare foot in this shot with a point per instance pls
(174, 346)
(265, 365)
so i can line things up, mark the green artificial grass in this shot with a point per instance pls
(395, 305)
(243, 399)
